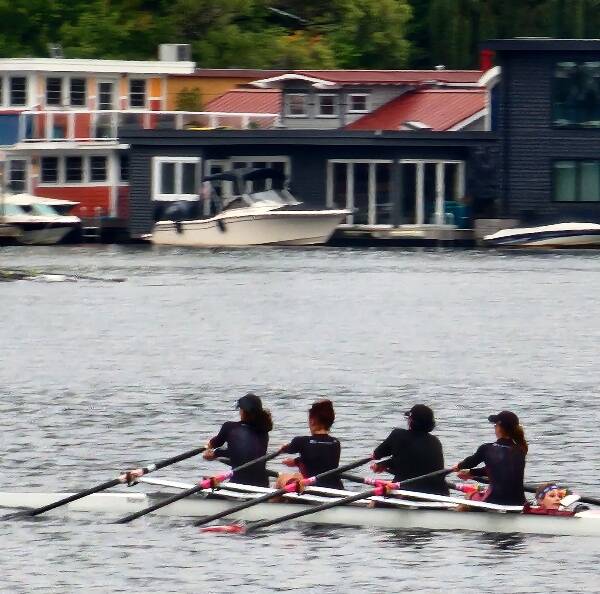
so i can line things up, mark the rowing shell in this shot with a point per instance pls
(407, 515)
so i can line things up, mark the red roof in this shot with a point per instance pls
(247, 101)
(249, 73)
(383, 77)
(439, 109)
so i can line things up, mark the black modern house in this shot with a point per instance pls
(411, 181)
(549, 129)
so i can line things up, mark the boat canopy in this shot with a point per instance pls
(243, 174)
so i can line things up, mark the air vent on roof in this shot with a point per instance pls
(174, 52)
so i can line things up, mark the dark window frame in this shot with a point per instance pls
(12, 91)
(69, 178)
(98, 174)
(81, 95)
(57, 94)
(136, 95)
(577, 107)
(55, 178)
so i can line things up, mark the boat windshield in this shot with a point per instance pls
(43, 210)
(278, 197)
(10, 210)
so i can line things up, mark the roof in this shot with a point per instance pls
(247, 101)
(548, 44)
(438, 109)
(327, 78)
(95, 66)
(249, 73)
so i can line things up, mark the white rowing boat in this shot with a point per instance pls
(403, 514)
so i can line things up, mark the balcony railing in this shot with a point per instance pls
(97, 126)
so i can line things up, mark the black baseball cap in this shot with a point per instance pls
(249, 403)
(421, 417)
(507, 419)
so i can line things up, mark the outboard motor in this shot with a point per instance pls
(177, 212)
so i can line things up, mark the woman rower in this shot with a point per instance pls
(414, 452)
(552, 500)
(246, 440)
(317, 452)
(504, 462)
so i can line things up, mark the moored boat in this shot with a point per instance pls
(560, 235)
(269, 216)
(405, 514)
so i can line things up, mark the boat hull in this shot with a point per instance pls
(562, 235)
(270, 228)
(393, 519)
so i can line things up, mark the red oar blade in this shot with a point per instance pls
(225, 529)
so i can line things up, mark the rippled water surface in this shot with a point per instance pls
(96, 376)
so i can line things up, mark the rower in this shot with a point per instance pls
(504, 462)
(317, 452)
(414, 452)
(246, 439)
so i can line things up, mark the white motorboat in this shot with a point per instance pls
(266, 217)
(560, 235)
(36, 220)
(432, 513)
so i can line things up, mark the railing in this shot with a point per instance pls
(83, 125)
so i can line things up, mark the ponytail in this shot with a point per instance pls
(518, 436)
(260, 420)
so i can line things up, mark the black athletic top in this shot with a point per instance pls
(414, 453)
(504, 466)
(318, 453)
(244, 443)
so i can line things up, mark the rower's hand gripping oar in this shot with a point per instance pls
(208, 483)
(125, 477)
(295, 486)
(381, 488)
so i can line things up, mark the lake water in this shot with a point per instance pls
(99, 376)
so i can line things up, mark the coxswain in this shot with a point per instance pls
(552, 500)
(415, 451)
(317, 452)
(504, 462)
(246, 439)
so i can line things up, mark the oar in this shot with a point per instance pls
(381, 488)
(295, 486)
(126, 477)
(531, 488)
(211, 482)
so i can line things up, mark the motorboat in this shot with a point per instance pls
(410, 511)
(560, 235)
(267, 215)
(35, 220)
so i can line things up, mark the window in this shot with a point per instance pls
(327, 106)
(357, 103)
(296, 105)
(576, 181)
(73, 170)
(18, 90)
(124, 167)
(137, 93)
(49, 170)
(17, 170)
(105, 95)
(97, 169)
(176, 178)
(576, 95)
(53, 91)
(77, 92)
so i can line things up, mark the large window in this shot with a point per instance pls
(175, 178)
(576, 94)
(296, 105)
(576, 181)
(137, 93)
(75, 169)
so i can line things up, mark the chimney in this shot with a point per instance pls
(486, 59)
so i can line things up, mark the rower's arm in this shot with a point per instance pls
(472, 461)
